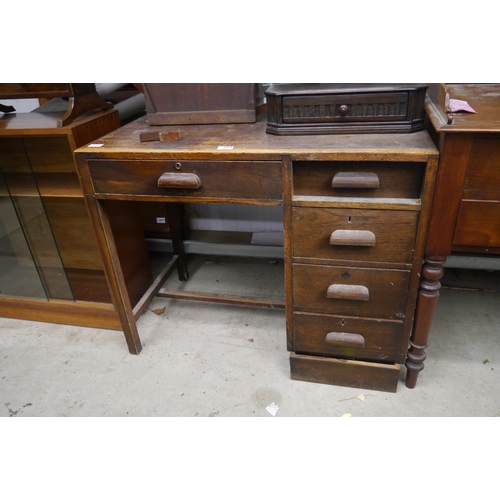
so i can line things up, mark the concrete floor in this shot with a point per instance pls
(208, 360)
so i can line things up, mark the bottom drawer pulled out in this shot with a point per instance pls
(344, 372)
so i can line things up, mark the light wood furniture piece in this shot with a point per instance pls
(466, 208)
(38, 166)
(356, 210)
(82, 97)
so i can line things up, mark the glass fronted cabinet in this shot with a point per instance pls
(30, 263)
(50, 265)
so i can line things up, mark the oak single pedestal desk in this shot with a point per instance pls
(465, 214)
(355, 214)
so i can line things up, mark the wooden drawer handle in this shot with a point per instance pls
(348, 292)
(179, 181)
(351, 237)
(356, 180)
(345, 339)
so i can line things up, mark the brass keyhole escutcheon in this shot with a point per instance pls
(346, 274)
(178, 166)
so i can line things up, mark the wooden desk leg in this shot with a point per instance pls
(114, 275)
(174, 223)
(428, 295)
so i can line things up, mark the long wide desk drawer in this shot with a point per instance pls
(376, 293)
(354, 234)
(346, 337)
(223, 181)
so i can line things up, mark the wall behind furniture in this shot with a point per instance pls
(242, 218)
(21, 105)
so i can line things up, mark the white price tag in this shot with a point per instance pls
(273, 408)
(95, 145)
(225, 147)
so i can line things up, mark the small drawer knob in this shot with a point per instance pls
(343, 110)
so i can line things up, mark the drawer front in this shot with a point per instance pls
(197, 180)
(478, 224)
(346, 337)
(376, 293)
(358, 179)
(353, 234)
(483, 170)
(345, 372)
(387, 106)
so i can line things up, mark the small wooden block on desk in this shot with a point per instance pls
(171, 136)
(343, 372)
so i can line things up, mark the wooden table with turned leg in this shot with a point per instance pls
(465, 217)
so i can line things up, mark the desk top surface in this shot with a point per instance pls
(250, 141)
(483, 98)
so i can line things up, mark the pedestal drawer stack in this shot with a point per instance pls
(355, 263)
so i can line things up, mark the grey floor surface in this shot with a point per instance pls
(214, 360)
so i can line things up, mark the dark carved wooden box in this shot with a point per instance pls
(199, 103)
(302, 109)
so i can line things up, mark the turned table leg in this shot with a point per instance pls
(428, 295)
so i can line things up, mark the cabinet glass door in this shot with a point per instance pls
(30, 264)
